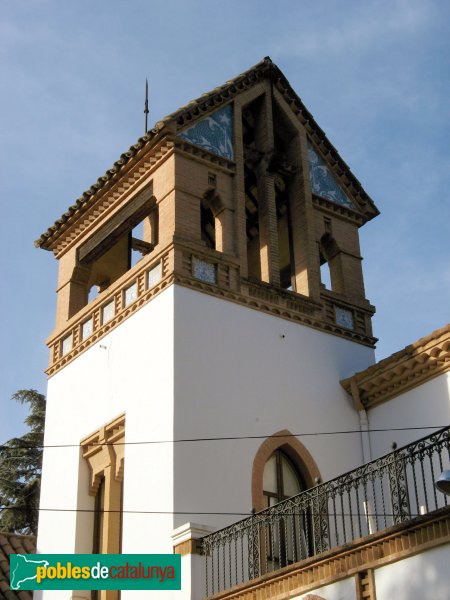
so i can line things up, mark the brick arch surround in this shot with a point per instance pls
(297, 452)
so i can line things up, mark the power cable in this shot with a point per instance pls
(222, 438)
(216, 513)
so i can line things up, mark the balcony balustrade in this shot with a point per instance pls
(395, 488)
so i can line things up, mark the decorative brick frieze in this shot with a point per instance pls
(105, 448)
(334, 304)
(176, 264)
(337, 209)
(114, 297)
(272, 300)
(205, 157)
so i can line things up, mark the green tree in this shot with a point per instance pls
(20, 469)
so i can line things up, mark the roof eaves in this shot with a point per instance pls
(433, 344)
(81, 204)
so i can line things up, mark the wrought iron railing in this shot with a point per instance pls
(392, 489)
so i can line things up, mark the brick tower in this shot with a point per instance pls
(223, 250)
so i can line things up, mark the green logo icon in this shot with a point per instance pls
(95, 572)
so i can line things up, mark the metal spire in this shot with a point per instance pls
(146, 105)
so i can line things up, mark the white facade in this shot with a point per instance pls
(425, 405)
(240, 372)
(425, 576)
(187, 366)
(344, 589)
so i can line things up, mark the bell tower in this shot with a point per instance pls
(210, 286)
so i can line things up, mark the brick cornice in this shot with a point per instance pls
(115, 293)
(176, 267)
(204, 156)
(327, 206)
(379, 549)
(293, 309)
(105, 448)
(82, 218)
(414, 365)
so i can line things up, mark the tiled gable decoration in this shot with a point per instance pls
(322, 181)
(214, 133)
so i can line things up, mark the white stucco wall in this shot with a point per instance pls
(130, 370)
(341, 590)
(188, 365)
(235, 375)
(425, 405)
(425, 576)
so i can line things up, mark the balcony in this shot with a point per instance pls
(394, 490)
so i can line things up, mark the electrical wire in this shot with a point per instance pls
(222, 438)
(215, 513)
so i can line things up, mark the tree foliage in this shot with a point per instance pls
(20, 469)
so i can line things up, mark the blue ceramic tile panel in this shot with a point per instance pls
(322, 181)
(67, 344)
(87, 329)
(203, 270)
(131, 294)
(108, 312)
(214, 133)
(154, 275)
(344, 317)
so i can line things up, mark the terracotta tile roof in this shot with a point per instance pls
(199, 107)
(414, 365)
(13, 544)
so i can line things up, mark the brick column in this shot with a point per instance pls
(225, 231)
(72, 292)
(239, 192)
(268, 232)
(306, 260)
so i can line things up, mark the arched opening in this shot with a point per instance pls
(325, 273)
(131, 234)
(299, 456)
(208, 224)
(93, 292)
(330, 270)
(283, 468)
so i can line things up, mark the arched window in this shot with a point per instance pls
(298, 460)
(285, 540)
(281, 479)
(283, 468)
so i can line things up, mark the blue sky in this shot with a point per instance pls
(375, 75)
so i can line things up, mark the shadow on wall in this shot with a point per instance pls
(425, 576)
(426, 405)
